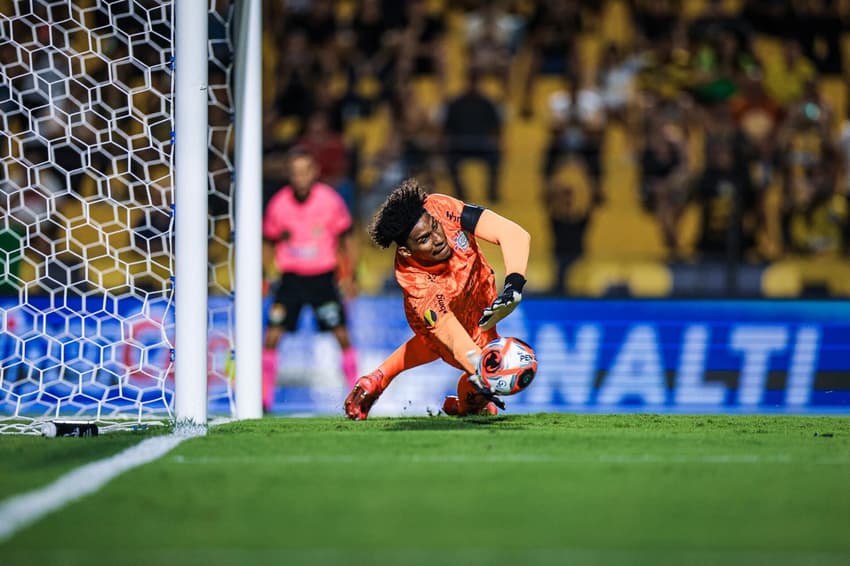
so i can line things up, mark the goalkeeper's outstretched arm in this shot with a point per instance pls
(515, 243)
(513, 239)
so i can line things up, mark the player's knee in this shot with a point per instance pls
(277, 315)
(330, 315)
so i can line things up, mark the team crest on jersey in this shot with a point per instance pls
(461, 241)
(430, 317)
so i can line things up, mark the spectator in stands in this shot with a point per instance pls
(806, 134)
(664, 176)
(577, 128)
(331, 155)
(728, 204)
(378, 39)
(36, 199)
(753, 110)
(758, 118)
(333, 104)
(843, 149)
(390, 167)
(720, 63)
(818, 222)
(307, 229)
(33, 196)
(370, 29)
(654, 19)
(568, 223)
(811, 112)
(668, 70)
(275, 172)
(617, 80)
(423, 49)
(552, 32)
(10, 260)
(502, 17)
(317, 21)
(297, 73)
(785, 80)
(417, 128)
(490, 41)
(472, 128)
(152, 232)
(320, 22)
(716, 22)
(820, 27)
(775, 18)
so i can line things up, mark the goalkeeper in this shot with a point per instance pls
(450, 296)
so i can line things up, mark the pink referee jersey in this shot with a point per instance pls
(306, 233)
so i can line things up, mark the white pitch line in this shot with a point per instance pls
(720, 459)
(21, 510)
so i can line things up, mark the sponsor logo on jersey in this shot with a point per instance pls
(441, 303)
(461, 241)
(454, 217)
(430, 317)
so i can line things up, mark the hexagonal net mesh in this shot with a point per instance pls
(86, 233)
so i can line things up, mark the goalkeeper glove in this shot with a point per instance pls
(505, 303)
(478, 383)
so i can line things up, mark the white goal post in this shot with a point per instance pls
(117, 260)
(249, 209)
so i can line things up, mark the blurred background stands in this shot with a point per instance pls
(652, 147)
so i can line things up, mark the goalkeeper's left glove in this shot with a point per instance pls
(505, 303)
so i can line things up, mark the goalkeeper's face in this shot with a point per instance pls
(427, 242)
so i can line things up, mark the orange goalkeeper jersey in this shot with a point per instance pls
(462, 286)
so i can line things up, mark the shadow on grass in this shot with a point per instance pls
(501, 422)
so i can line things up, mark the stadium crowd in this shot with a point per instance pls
(715, 130)
(651, 147)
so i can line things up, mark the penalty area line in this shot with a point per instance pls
(22, 510)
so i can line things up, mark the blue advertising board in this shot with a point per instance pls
(667, 355)
(711, 354)
(601, 356)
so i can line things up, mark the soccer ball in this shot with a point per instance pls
(507, 366)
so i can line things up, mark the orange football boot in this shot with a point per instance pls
(468, 401)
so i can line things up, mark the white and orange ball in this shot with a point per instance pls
(507, 366)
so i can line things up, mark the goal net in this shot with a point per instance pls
(86, 236)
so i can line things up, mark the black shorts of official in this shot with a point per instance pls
(292, 292)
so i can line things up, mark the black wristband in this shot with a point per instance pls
(515, 281)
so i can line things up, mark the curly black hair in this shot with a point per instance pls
(399, 214)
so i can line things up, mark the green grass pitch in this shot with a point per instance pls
(514, 490)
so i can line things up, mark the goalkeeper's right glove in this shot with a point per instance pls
(505, 303)
(478, 383)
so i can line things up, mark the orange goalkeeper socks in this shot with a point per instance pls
(411, 354)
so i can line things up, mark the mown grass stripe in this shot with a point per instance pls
(22, 510)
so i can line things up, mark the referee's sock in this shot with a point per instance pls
(349, 365)
(269, 377)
